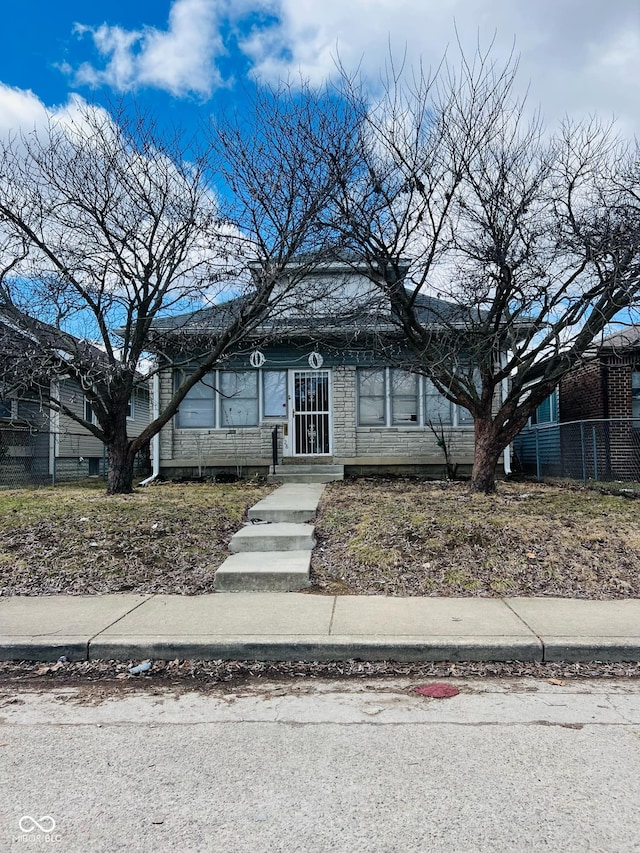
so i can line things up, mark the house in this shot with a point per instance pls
(310, 386)
(606, 388)
(37, 443)
(589, 428)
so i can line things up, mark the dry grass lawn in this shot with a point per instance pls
(75, 540)
(404, 537)
(385, 537)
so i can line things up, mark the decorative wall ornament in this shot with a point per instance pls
(257, 359)
(315, 360)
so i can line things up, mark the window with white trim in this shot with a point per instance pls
(239, 390)
(372, 396)
(274, 393)
(197, 410)
(404, 397)
(437, 409)
(222, 398)
(390, 396)
(465, 418)
(89, 414)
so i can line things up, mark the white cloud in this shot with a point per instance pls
(180, 60)
(576, 57)
(20, 110)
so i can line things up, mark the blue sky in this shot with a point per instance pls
(184, 58)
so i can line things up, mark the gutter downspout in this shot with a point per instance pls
(506, 453)
(155, 441)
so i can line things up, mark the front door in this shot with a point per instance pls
(310, 424)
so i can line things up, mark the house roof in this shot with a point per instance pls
(374, 316)
(628, 337)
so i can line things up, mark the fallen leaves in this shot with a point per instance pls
(410, 537)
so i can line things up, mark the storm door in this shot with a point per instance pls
(311, 412)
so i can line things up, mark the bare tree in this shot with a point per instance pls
(523, 246)
(123, 228)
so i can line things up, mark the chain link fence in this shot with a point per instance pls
(32, 457)
(596, 450)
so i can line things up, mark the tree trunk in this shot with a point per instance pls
(488, 447)
(120, 462)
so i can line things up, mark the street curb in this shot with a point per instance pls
(46, 650)
(318, 649)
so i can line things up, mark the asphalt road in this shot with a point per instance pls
(322, 766)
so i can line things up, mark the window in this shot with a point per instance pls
(130, 409)
(438, 410)
(89, 414)
(404, 397)
(197, 409)
(395, 397)
(5, 410)
(546, 412)
(464, 416)
(274, 389)
(223, 398)
(239, 391)
(635, 395)
(372, 397)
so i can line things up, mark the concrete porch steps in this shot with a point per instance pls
(280, 536)
(293, 502)
(272, 571)
(316, 473)
(274, 554)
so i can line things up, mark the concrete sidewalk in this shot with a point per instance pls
(296, 626)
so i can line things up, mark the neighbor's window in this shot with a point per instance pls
(372, 397)
(239, 390)
(274, 389)
(404, 397)
(89, 414)
(635, 395)
(5, 409)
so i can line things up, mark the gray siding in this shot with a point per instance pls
(74, 440)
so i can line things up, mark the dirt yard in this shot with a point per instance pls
(75, 540)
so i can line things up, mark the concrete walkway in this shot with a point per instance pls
(272, 553)
(298, 626)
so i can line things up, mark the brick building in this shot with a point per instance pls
(607, 387)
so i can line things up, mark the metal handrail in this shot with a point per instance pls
(274, 446)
